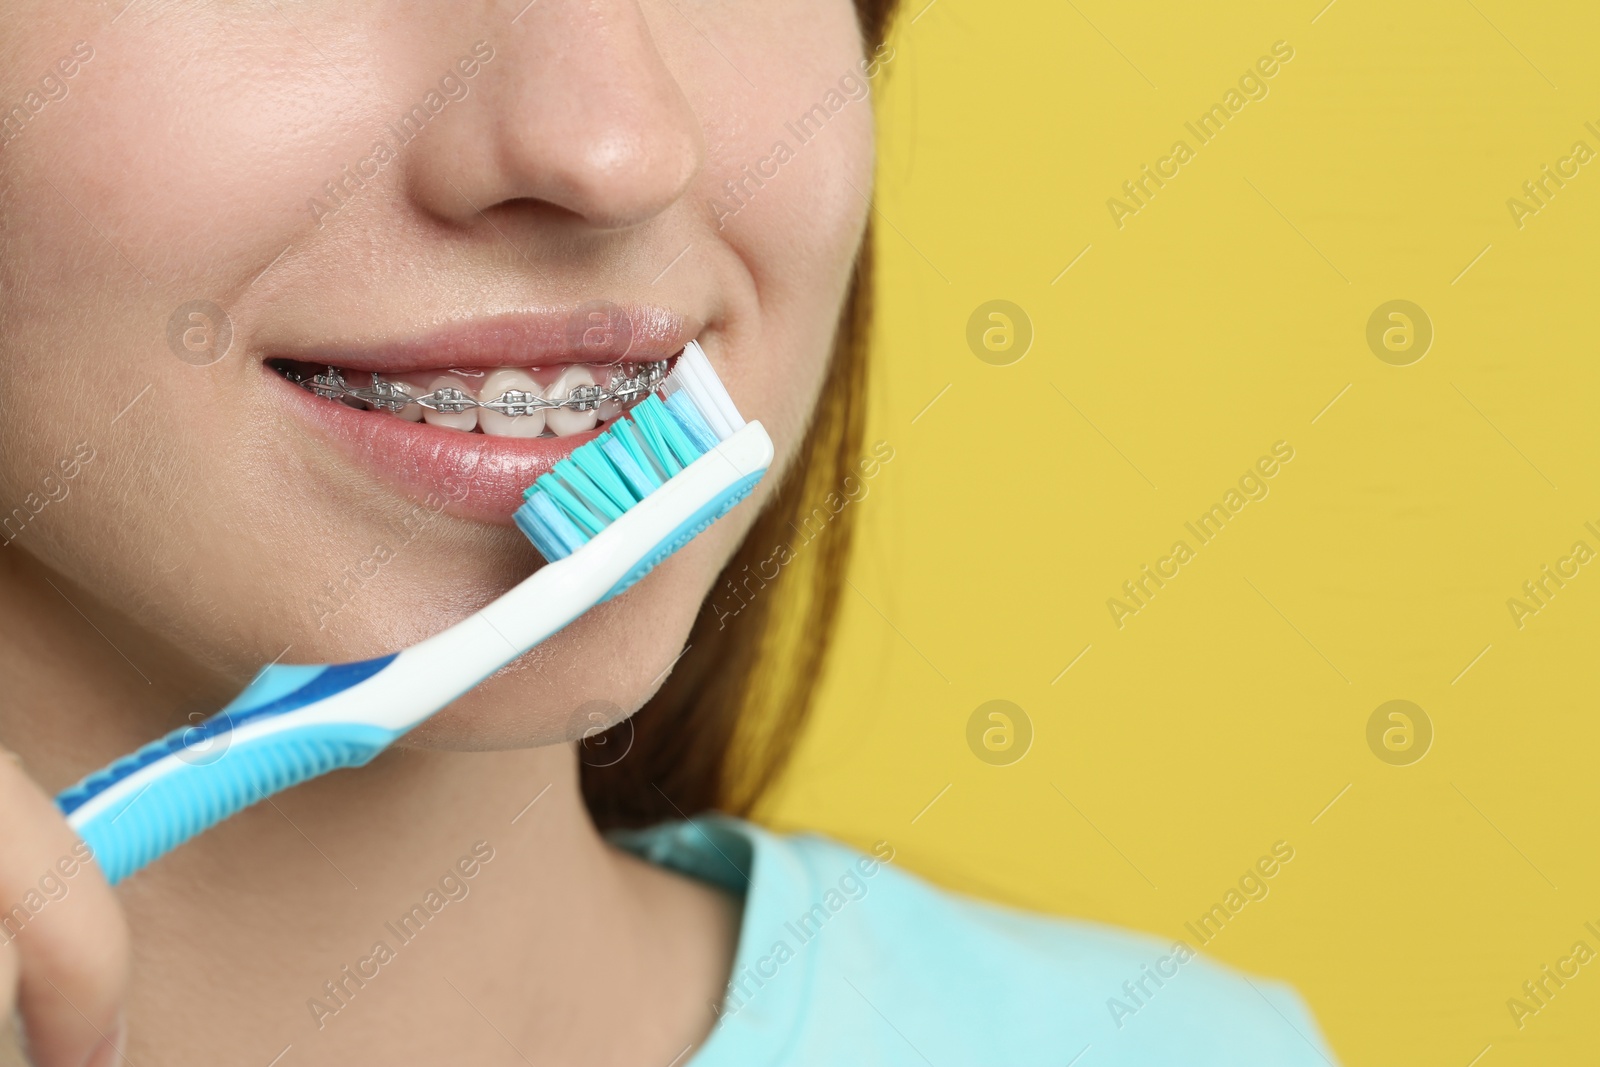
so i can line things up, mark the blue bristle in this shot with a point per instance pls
(693, 425)
(584, 488)
(638, 480)
(683, 447)
(600, 481)
(571, 506)
(628, 435)
(551, 532)
(650, 417)
(593, 462)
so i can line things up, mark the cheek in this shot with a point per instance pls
(135, 194)
(785, 189)
(788, 175)
(214, 166)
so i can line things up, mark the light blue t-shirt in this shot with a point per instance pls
(844, 959)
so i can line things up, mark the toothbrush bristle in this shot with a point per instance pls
(657, 438)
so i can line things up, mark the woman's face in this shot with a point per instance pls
(195, 197)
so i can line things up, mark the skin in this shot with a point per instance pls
(191, 548)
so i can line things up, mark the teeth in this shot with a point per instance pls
(411, 412)
(460, 420)
(498, 425)
(564, 422)
(474, 387)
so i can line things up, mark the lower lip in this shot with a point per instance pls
(475, 475)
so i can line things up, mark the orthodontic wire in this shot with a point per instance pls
(637, 380)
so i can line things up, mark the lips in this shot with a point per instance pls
(477, 463)
(597, 332)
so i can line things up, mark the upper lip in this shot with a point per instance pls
(540, 338)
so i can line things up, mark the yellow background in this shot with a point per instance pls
(1223, 317)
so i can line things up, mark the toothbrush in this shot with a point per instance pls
(603, 517)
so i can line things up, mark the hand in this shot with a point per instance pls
(63, 939)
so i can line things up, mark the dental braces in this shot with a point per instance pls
(634, 381)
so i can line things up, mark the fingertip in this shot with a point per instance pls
(110, 1048)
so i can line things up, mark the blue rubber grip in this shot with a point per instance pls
(190, 797)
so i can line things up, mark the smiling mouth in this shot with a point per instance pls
(467, 416)
(521, 402)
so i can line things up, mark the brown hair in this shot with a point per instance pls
(720, 730)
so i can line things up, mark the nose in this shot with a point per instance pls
(576, 112)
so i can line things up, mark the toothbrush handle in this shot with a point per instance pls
(151, 801)
(294, 722)
(195, 797)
